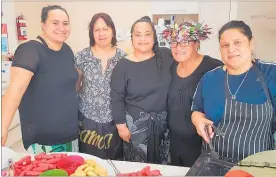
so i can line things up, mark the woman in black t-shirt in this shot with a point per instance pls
(188, 68)
(43, 88)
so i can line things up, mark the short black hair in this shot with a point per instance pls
(240, 25)
(109, 22)
(146, 18)
(45, 11)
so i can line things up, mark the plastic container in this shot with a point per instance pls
(205, 165)
(54, 172)
(70, 163)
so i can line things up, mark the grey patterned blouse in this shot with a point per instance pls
(94, 95)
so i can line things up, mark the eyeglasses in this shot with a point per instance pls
(181, 43)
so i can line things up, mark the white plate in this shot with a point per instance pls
(6, 154)
(99, 161)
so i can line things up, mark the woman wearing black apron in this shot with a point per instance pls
(98, 133)
(188, 68)
(239, 98)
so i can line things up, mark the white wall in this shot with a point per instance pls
(80, 15)
(264, 30)
(162, 7)
(215, 14)
(265, 44)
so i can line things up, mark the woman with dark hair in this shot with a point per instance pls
(187, 70)
(239, 97)
(43, 87)
(140, 84)
(98, 134)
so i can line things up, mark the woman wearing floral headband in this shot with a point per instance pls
(188, 68)
(239, 97)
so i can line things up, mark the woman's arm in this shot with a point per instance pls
(79, 81)
(201, 123)
(118, 92)
(20, 79)
(24, 65)
(198, 116)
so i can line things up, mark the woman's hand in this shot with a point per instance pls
(79, 81)
(124, 132)
(201, 123)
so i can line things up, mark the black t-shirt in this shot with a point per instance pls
(140, 85)
(181, 96)
(49, 107)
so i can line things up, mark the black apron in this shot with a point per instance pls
(149, 141)
(247, 127)
(99, 139)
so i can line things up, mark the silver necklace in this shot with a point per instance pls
(233, 97)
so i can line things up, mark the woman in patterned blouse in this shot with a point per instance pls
(98, 134)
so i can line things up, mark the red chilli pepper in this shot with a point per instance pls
(22, 173)
(155, 173)
(32, 173)
(28, 168)
(26, 162)
(24, 158)
(42, 164)
(52, 161)
(48, 156)
(27, 158)
(51, 166)
(16, 171)
(40, 169)
(39, 156)
(58, 155)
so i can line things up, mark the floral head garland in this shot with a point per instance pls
(187, 31)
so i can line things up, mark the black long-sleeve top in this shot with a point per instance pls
(140, 85)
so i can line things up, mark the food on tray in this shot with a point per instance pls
(41, 163)
(70, 163)
(90, 168)
(144, 172)
(46, 164)
(54, 172)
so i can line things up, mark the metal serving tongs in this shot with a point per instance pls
(10, 167)
(217, 132)
(114, 167)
